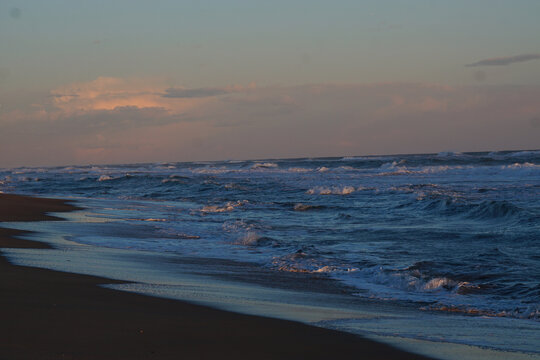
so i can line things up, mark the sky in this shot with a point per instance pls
(127, 81)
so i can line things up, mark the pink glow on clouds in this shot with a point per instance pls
(106, 93)
(113, 120)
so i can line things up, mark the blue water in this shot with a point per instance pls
(450, 232)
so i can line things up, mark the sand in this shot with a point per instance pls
(48, 314)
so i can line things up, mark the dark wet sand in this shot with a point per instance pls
(47, 314)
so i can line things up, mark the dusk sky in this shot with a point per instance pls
(139, 81)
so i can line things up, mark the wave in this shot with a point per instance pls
(298, 170)
(307, 207)
(175, 179)
(187, 236)
(266, 165)
(20, 171)
(399, 169)
(493, 209)
(445, 154)
(442, 293)
(114, 178)
(525, 153)
(29, 179)
(525, 165)
(366, 158)
(165, 181)
(253, 239)
(335, 190)
(529, 312)
(235, 186)
(172, 233)
(395, 169)
(213, 171)
(484, 210)
(305, 261)
(229, 206)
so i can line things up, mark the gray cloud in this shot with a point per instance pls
(195, 93)
(506, 60)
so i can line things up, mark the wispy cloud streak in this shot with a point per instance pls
(506, 60)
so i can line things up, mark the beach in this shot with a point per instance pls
(55, 315)
(266, 180)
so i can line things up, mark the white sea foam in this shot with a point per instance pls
(213, 171)
(404, 170)
(229, 206)
(299, 170)
(334, 269)
(393, 165)
(265, 165)
(237, 226)
(525, 165)
(335, 190)
(393, 169)
(302, 262)
(249, 239)
(439, 283)
(253, 239)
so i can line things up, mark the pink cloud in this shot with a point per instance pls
(107, 93)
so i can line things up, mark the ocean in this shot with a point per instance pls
(452, 240)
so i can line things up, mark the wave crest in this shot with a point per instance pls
(266, 165)
(229, 206)
(253, 239)
(335, 190)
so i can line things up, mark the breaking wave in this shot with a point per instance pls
(335, 190)
(229, 206)
(266, 165)
(253, 239)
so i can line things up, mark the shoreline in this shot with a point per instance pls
(51, 314)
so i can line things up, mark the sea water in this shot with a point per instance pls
(454, 236)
